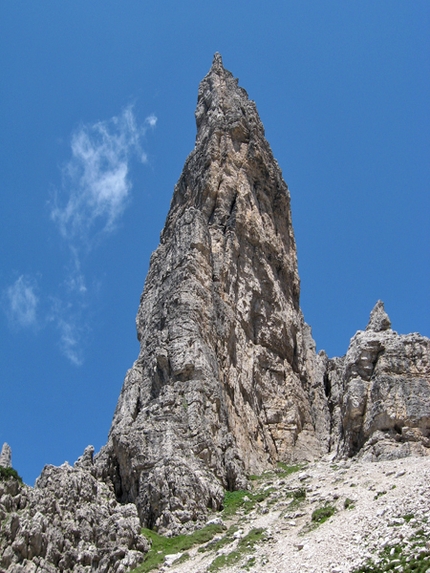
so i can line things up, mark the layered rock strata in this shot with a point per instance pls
(227, 381)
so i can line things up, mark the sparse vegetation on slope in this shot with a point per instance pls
(7, 473)
(162, 546)
(245, 546)
(321, 514)
(285, 523)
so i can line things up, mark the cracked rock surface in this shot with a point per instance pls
(227, 380)
(69, 521)
(380, 393)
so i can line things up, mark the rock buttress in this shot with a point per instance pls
(380, 393)
(227, 381)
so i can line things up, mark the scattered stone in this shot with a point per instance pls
(170, 559)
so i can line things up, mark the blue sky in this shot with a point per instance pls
(97, 117)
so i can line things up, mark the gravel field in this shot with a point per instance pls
(380, 509)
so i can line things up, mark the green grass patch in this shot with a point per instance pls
(282, 470)
(243, 500)
(8, 473)
(246, 545)
(348, 504)
(321, 514)
(299, 494)
(162, 546)
(285, 470)
(217, 544)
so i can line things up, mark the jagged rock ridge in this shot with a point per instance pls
(70, 521)
(380, 393)
(227, 378)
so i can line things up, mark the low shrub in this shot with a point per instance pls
(323, 513)
(8, 473)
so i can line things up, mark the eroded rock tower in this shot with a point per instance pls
(227, 380)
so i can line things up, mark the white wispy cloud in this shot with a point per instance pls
(22, 302)
(95, 191)
(67, 320)
(96, 182)
(151, 120)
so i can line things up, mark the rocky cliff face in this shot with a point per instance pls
(69, 521)
(227, 380)
(379, 393)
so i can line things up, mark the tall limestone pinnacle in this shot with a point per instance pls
(222, 385)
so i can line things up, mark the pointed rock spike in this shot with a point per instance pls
(217, 61)
(379, 319)
(6, 456)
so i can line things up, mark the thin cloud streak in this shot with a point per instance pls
(95, 192)
(96, 180)
(72, 329)
(22, 303)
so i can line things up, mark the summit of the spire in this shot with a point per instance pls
(222, 104)
(217, 61)
(379, 319)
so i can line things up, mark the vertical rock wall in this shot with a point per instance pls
(227, 380)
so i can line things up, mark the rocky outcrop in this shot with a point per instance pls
(227, 380)
(380, 393)
(6, 456)
(70, 522)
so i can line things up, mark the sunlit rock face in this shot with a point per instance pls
(227, 381)
(380, 393)
(69, 522)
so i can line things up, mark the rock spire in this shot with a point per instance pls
(222, 385)
(379, 319)
(6, 456)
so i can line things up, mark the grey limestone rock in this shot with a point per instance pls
(6, 456)
(380, 393)
(69, 521)
(379, 319)
(227, 381)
